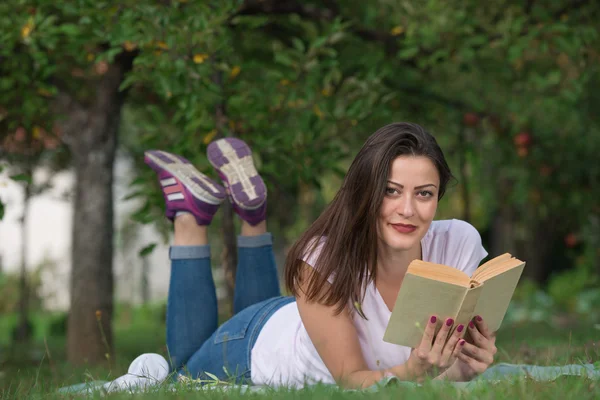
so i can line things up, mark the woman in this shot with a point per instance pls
(344, 272)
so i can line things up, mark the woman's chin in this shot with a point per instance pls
(401, 245)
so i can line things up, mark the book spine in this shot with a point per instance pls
(467, 308)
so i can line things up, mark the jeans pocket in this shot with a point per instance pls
(236, 327)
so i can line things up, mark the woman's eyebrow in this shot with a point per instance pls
(416, 187)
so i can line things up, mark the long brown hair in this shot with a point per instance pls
(349, 223)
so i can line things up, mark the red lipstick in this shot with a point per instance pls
(402, 228)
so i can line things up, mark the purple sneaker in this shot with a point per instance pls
(184, 187)
(232, 158)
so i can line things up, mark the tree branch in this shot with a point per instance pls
(327, 14)
(391, 42)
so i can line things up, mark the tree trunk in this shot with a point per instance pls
(23, 332)
(503, 223)
(144, 280)
(464, 176)
(229, 254)
(542, 248)
(91, 133)
(536, 250)
(526, 236)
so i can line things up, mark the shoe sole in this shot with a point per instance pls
(223, 155)
(205, 190)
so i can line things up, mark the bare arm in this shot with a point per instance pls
(336, 341)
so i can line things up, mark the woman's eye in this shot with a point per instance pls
(425, 193)
(390, 190)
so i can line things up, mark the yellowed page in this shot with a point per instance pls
(495, 296)
(490, 264)
(439, 272)
(420, 298)
(498, 269)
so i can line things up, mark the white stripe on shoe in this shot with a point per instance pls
(175, 196)
(168, 182)
(239, 171)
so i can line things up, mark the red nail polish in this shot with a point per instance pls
(460, 328)
(479, 318)
(462, 342)
(449, 321)
(471, 325)
(433, 319)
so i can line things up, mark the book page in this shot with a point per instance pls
(498, 269)
(490, 265)
(420, 298)
(439, 272)
(495, 296)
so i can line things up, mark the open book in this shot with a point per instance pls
(433, 289)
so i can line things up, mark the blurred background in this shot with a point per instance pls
(510, 89)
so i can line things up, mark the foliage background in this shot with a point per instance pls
(510, 90)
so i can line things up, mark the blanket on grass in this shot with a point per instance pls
(494, 374)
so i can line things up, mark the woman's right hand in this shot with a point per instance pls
(435, 353)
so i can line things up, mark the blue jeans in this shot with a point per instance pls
(195, 342)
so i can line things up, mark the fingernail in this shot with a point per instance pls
(462, 342)
(479, 318)
(460, 328)
(433, 319)
(471, 325)
(449, 321)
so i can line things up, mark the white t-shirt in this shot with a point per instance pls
(284, 355)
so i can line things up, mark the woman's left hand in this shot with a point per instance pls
(475, 357)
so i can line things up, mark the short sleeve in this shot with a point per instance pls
(312, 257)
(464, 250)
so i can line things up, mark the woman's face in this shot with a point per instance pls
(409, 204)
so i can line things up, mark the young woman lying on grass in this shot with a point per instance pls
(344, 272)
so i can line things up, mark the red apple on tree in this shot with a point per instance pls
(523, 139)
(571, 240)
(470, 119)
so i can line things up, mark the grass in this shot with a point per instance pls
(38, 371)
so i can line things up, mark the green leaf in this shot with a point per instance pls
(137, 181)
(147, 250)
(564, 44)
(213, 377)
(554, 77)
(132, 195)
(298, 44)
(110, 54)
(319, 42)
(21, 178)
(284, 59)
(69, 29)
(128, 81)
(408, 52)
(143, 215)
(478, 40)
